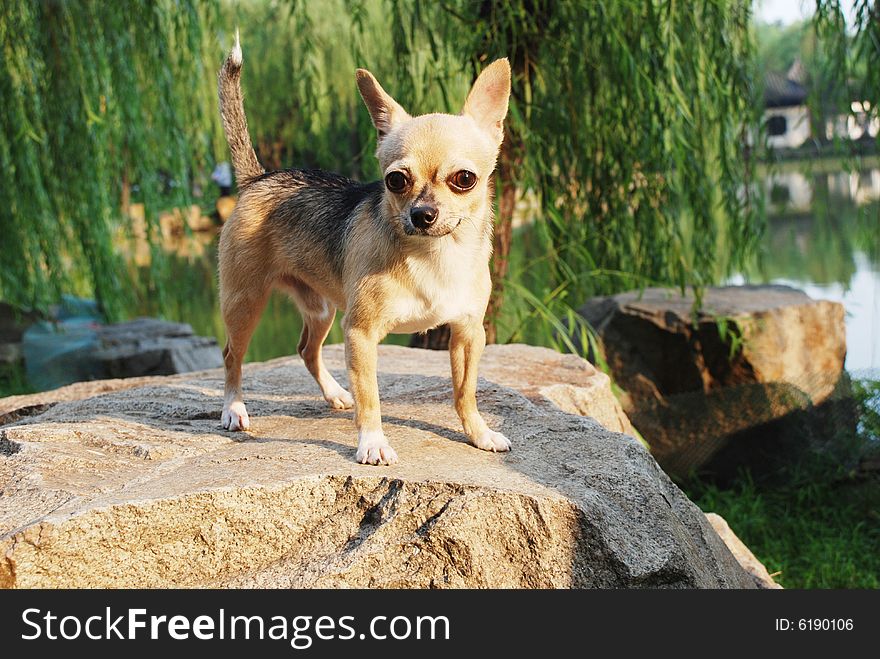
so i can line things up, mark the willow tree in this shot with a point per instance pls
(97, 97)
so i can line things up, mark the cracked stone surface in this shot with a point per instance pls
(132, 483)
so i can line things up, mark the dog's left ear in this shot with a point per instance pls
(384, 110)
(487, 101)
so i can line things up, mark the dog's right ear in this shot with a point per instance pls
(384, 110)
(488, 99)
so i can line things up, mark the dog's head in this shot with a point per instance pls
(437, 167)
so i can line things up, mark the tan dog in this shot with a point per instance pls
(404, 254)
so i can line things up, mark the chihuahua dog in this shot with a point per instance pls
(404, 254)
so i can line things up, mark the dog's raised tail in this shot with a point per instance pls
(244, 159)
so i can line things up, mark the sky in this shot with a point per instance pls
(789, 11)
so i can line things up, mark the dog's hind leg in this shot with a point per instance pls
(317, 313)
(241, 311)
(315, 330)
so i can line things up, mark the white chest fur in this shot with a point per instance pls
(442, 287)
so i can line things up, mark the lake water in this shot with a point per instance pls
(823, 237)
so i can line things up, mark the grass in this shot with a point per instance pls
(822, 535)
(819, 525)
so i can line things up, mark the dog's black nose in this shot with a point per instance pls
(423, 216)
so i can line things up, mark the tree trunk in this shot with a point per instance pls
(500, 265)
(435, 339)
(125, 197)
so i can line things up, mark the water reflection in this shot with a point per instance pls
(792, 190)
(823, 236)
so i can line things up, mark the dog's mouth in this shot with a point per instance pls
(433, 231)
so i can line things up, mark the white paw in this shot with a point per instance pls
(492, 441)
(235, 417)
(374, 449)
(338, 398)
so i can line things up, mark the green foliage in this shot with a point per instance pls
(652, 159)
(299, 61)
(730, 334)
(627, 132)
(814, 535)
(778, 46)
(13, 380)
(95, 95)
(848, 56)
(867, 393)
(626, 135)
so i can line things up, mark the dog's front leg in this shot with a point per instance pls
(465, 349)
(360, 357)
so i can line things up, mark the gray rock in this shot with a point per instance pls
(80, 348)
(134, 484)
(148, 346)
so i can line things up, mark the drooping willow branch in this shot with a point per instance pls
(97, 96)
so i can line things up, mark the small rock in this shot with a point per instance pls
(743, 554)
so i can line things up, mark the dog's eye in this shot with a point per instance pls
(397, 182)
(463, 180)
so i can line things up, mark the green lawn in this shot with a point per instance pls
(814, 535)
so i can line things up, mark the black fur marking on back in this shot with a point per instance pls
(320, 210)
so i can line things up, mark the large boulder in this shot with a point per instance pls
(749, 357)
(132, 483)
(544, 376)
